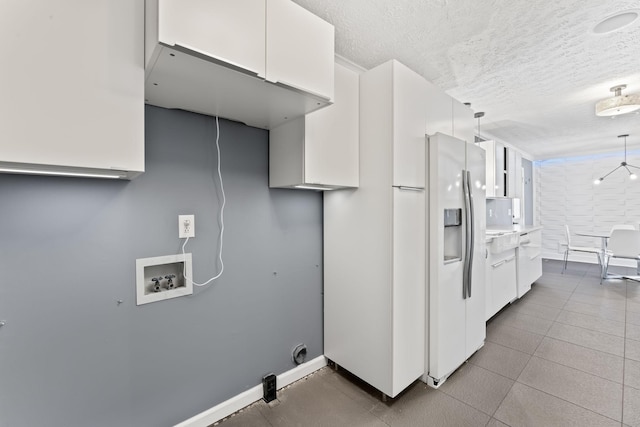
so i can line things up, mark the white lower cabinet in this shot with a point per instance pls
(501, 280)
(529, 260)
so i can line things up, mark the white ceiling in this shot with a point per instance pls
(534, 67)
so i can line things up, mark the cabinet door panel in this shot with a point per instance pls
(72, 84)
(500, 174)
(300, 51)
(409, 127)
(463, 122)
(504, 280)
(232, 31)
(439, 109)
(409, 264)
(332, 135)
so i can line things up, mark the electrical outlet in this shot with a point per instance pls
(186, 226)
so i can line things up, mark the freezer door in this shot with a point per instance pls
(446, 315)
(475, 310)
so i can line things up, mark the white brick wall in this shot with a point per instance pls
(566, 195)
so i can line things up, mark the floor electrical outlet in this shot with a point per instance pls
(186, 226)
(269, 388)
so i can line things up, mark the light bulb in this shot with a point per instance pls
(633, 176)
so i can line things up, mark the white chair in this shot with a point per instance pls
(572, 248)
(625, 244)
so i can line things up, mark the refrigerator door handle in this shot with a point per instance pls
(472, 242)
(467, 207)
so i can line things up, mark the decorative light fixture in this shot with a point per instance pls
(478, 115)
(623, 164)
(619, 104)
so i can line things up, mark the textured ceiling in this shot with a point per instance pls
(534, 67)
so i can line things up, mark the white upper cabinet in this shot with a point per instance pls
(261, 62)
(447, 115)
(72, 79)
(320, 150)
(409, 100)
(463, 122)
(439, 111)
(231, 31)
(514, 173)
(300, 51)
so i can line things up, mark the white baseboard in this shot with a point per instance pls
(252, 395)
(588, 258)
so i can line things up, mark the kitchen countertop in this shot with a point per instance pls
(493, 231)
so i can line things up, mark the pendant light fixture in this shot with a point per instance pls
(478, 115)
(619, 104)
(623, 164)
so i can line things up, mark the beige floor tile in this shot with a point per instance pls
(632, 373)
(248, 417)
(633, 318)
(594, 310)
(526, 322)
(313, 401)
(566, 284)
(631, 415)
(533, 309)
(353, 387)
(500, 359)
(633, 306)
(608, 289)
(477, 387)
(514, 338)
(595, 362)
(495, 423)
(612, 303)
(547, 300)
(632, 331)
(551, 291)
(587, 338)
(594, 323)
(528, 407)
(424, 406)
(589, 391)
(632, 350)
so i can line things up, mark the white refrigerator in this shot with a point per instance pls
(456, 225)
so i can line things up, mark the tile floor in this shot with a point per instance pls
(567, 354)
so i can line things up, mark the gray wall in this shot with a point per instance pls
(71, 356)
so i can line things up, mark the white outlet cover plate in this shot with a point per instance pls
(186, 231)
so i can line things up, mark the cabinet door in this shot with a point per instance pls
(514, 173)
(72, 84)
(463, 122)
(503, 272)
(232, 31)
(300, 51)
(332, 135)
(500, 171)
(490, 149)
(409, 266)
(409, 125)
(439, 111)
